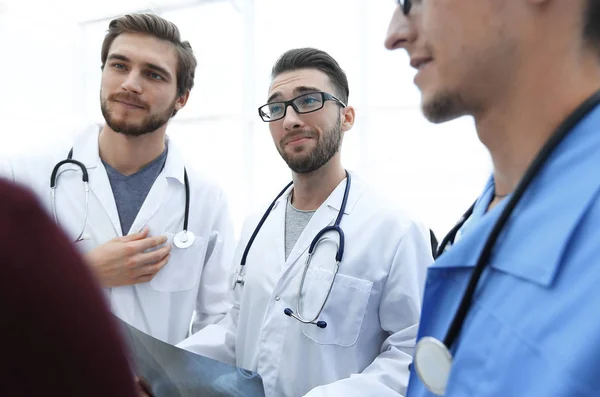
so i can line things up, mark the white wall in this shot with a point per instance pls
(51, 74)
(39, 76)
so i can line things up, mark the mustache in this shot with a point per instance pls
(129, 98)
(297, 135)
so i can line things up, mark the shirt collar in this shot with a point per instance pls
(334, 201)
(175, 164)
(86, 150)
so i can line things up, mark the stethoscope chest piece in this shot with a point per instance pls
(184, 239)
(433, 363)
(239, 278)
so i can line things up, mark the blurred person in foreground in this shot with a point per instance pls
(58, 333)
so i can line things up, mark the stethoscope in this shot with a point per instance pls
(433, 360)
(448, 240)
(183, 239)
(241, 278)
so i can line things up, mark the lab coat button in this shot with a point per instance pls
(277, 298)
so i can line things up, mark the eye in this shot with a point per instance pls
(275, 109)
(309, 102)
(155, 76)
(119, 66)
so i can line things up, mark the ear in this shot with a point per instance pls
(348, 118)
(182, 100)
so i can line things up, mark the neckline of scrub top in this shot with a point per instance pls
(551, 209)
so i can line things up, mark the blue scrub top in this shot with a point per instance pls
(534, 325)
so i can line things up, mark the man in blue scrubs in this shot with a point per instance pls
(520, 68)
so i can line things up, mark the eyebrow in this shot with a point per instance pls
(298, 90)
(148, 65)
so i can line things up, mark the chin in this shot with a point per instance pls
(297, 151)
(124, 124)
(441, 107)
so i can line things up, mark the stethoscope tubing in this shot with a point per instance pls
(85, 179)
(561, 132)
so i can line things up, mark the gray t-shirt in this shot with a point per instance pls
(295, 222)
(130, 191)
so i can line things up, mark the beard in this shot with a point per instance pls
(148, 124)
(444, 106)
(326, 147)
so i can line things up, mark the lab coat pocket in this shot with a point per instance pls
(344, 310)
(182, 272)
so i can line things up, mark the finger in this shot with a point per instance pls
(150, 258)
(143, 279)
(159, 265)
(148, 242)
(146, 388)
(142, 234)
(142, 387)
(148, 272)
(139, 260)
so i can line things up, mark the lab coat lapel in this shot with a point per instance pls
(100, 187)
(278, 216)
(275, 227)
(323, 217)
(86, 150)
(152, 203)
(173, 172)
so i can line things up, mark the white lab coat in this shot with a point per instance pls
(195, 278)
(372, 312)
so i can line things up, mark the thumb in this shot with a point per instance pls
(136, 236)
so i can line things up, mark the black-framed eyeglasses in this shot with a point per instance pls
(405, 6)
(305, 103)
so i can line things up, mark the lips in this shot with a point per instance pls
(129, 101)
(130, 104)
(296, 139)
(420, 62)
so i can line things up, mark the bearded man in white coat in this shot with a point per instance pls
(144, 200)
(359, 320)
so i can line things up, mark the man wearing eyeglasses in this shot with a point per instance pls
(321, 330)
(511, 309)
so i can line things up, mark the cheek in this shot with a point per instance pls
(320, 120)
(158, 102)
(277, 131)
(441, 22)
(109, 80)
(108, 88)
(104, 88)
(167, 97)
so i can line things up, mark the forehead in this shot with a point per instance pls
(145, 49)
(286, 83)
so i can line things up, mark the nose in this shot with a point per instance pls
(292, 120)
(401, 30)
(132, 83)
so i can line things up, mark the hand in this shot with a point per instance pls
(123, 260)
(143, 387)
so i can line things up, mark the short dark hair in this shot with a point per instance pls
(162, 29)
(592, 23)
(303, 58)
